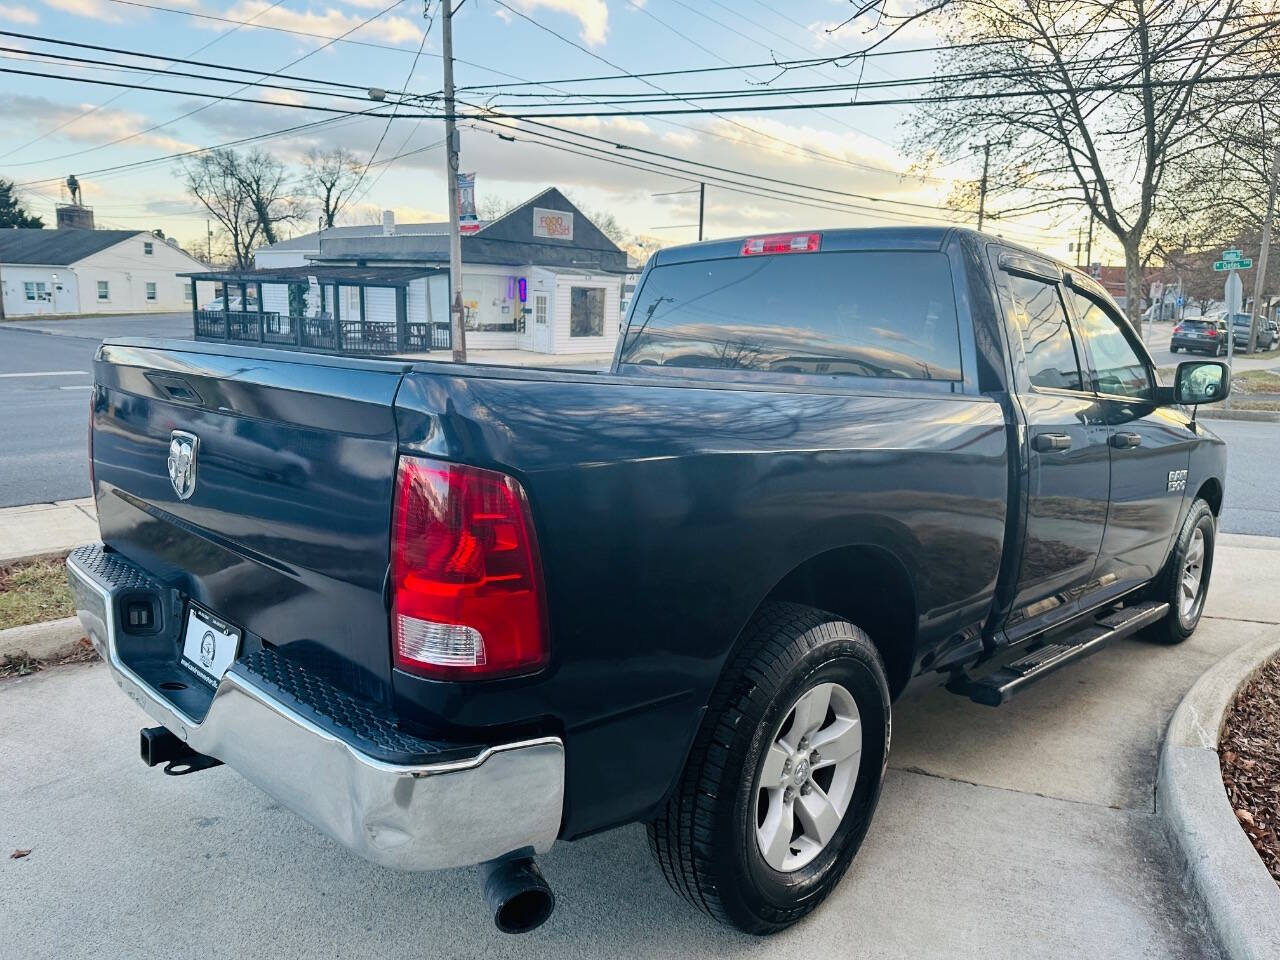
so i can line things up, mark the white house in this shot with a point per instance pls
(53, 272)
(541, 278)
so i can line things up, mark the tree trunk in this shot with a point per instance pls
(1133, 283)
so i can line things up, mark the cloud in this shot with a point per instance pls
(95, 128)
(18, 14)
(592, 16)
(93, 9)
(330, 22)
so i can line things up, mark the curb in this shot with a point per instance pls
(1256, 416)
(1239, 895)
(41, 641)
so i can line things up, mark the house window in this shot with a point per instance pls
(36, 291)
(104, 290)
(148, 247)
(586, 312)
(186, 292)
(151, 291)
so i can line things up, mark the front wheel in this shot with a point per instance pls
(1184, 584)
(784, 775)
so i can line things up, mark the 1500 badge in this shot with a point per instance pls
(1177, 480)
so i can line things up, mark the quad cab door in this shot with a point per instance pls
(1065, 453)
(1149, 446)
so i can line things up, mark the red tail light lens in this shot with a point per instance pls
(1178, 328)
(1212, 332)
(782, 243)
(467, 582)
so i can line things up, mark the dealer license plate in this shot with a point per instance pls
(209, 645)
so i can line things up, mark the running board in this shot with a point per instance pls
(998, 686)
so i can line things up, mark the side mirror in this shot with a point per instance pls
(1201, 381)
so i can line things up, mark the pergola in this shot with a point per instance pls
(334, 309)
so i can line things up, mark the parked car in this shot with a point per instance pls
(1241, 324)
(499, 607)
(1207, 335)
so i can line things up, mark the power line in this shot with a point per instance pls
(142, 54)
(218, 99)
(815, 62)
(387, 126)
(733, 187)
(123, 93)
(736, 123)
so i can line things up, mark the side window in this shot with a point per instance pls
(1118, 369)
(1041, 319)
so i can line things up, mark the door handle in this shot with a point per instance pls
(1124, 441)
(1047, 442)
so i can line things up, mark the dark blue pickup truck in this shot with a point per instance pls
(450, 614)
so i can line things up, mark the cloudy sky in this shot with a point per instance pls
(56, 127)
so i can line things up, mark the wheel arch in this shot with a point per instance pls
(869, 586)
(1211, 493)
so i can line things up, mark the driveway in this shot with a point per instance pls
(1026, 831)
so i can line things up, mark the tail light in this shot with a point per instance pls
(1212, 331)
(466, 578)
(1178, 328)
(782, 243)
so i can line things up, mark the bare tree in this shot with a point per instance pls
(247, 194)
(331, 177)
(1083, 104)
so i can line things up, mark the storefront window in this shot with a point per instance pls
(486, 306)
(586, 312)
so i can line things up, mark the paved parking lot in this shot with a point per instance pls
(1027, 831)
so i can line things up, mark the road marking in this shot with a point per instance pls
(78, 386)
(49, 373)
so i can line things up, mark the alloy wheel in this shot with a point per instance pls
(808, 777)
(1192, 576)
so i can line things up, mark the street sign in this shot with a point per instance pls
(1222, 265)
(1232, 254)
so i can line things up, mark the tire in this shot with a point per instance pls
(1173, 349)
(1171, 586)
(709, 840)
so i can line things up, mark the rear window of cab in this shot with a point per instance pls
(888, 314)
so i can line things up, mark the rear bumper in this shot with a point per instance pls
(423, 816)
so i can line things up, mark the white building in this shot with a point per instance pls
(541, 278)
(59, 272)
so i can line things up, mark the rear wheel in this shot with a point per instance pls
(784, 775)
(1185, 581)
(1173, 349)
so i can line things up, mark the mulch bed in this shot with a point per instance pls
(23, 665)
(1249, 755)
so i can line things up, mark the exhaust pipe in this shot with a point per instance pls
(517, 894)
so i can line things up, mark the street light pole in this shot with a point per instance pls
(1261, 277)
(456, 329)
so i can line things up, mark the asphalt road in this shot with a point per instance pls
(1253, 488)
(44, 393)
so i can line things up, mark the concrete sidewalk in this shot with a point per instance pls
(42, 528)
(1025, 831)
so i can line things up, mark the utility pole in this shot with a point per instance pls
(702, 205)
(982, 184)
(1261, 278)
(458, 334)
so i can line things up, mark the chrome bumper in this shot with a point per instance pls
(506, 799)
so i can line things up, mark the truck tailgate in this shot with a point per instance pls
(285, 534)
